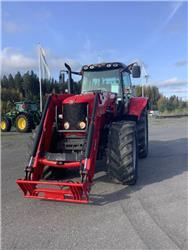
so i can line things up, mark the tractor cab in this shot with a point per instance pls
(26, 106)
(109, 77)
(105, 77)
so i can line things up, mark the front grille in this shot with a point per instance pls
(75, 113)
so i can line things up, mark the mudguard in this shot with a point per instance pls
(137, 105)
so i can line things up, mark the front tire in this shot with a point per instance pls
(122, 152)
(5, 124)
(23, 123)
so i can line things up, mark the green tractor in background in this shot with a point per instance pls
(25, 116)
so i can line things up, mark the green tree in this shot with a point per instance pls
(30, 85)
(138, 90)
(27, 85)
(34, 85)
(10, 95)
(18, 80)
(4, 82)
(152, 92)
(11, 83)
(161, 104)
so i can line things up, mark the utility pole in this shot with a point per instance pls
(146, 78)
(40, 79)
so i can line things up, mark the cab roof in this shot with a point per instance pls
(104, 66)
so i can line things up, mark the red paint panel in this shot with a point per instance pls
(65, 191)
(136, 105)
(46, 162)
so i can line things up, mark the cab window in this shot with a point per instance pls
(126, 80)
(105, 80)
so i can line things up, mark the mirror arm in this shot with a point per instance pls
(129, 67)
(73, 72)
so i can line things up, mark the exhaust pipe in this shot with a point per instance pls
(70, 86)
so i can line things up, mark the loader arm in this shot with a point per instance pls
(33, 186)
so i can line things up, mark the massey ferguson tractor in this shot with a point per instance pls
(104, 120)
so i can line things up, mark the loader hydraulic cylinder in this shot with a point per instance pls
(91, 128)
(40, 127)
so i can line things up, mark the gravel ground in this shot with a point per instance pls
(150, 215)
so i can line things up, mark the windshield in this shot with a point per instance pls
(33, 107)
(107, 80)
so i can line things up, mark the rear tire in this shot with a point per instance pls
(23, 123)
(142, 127)
(122, 152)
(5, 124)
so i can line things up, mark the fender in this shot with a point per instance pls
(137, 105)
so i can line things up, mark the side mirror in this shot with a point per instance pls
(136, 71)
(68, 67)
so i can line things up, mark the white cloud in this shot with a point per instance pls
(172, 86)
(175, 81)
(13, 60)
(58, 63)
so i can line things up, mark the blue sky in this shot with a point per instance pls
(155, 33)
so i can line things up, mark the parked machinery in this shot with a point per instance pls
(24, 116)
(104, 120)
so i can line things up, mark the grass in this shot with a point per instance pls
(175, 112)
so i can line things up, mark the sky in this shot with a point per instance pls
(152, 33)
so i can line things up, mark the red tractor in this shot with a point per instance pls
(104, 120)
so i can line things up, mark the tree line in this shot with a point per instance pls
(160, 102)
(26, 87)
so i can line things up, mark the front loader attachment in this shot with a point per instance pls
(34, 186)
(59, 191)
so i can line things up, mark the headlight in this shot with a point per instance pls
(86, 67)
(66, 125)
(82, 125)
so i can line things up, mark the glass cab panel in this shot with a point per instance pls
(105, 80)
(126, 82)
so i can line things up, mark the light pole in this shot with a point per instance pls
(146, 77)
(40, 75)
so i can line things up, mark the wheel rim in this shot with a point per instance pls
(21, 123)
(3, 125)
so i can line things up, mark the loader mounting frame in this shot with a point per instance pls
(78, 192)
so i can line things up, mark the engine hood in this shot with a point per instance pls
(88, 97)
